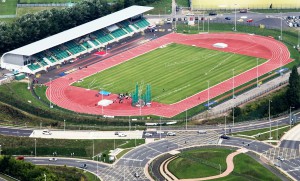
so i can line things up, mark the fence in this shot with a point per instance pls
(8, 16)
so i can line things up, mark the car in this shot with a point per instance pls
(20, 158)
(148, 134)
(117, 133)
(174, 19)
(240, 20)
(244, 17)
(243, 11)
(228, 18)
(171, 134)
(249, 20)
(280, 158)
(83, 166)
(212, 13)
(169, 20)
(185, 18)
(179, 19)
(225, 137)
(46, 132)
(136, 175)
(122, 134)
(53, 159)
(201, 132)
(196, 18)
(277, 164)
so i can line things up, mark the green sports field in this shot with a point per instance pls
(47, 1)
(8, 7)
(174, 72)
(243, 4)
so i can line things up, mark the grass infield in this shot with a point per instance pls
(174, 72)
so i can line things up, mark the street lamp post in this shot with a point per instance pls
(280, 25)
(93, 148)
(270, 117)
(233, 114)
(225, 126)
(35, 147)
(160, 127)
(64, 125)
(291, 116)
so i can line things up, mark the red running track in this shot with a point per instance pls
(84, 101)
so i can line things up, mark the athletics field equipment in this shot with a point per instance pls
(83, 100)
(243, 4)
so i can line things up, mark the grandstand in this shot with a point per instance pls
(69, 44)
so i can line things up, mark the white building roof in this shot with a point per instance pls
(80, 30)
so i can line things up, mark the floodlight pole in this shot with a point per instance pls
(35, 147)
(203, 20)
(102, 101)
(270, 117)
(232, 83)
(185, 119)
(235, 17)
(280, 25)
(208, 25)
(233, 114)
(257, 72)
(50, 92)
(208, 94)
(160, 127)
(129, 125)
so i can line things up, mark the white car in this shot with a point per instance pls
(53, 159)
(122, 134)
(148, 134)
(171, 134)
(201, 131)
(46, 132)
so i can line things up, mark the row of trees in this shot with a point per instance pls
(32, 27)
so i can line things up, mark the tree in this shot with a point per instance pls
(293, 92)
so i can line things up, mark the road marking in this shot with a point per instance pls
(131, 159)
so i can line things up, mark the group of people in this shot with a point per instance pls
(121, 97)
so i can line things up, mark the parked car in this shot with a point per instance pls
(148, 134)
(46, 132)
(196, 18)
(179, 19)
(225, 137)
(169, 21)
(174, 19)
(212, 14)
(228, 18)
(201, 132)
(249, 20)
(136, 175)
(53, 159)
(116, 133)
(280, 158)
(240, 20)
(243, 11)
(83, 166)
(122, 134)
(20, 158)
(171, 134)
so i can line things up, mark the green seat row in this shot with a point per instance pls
(127, 28)
(34, 66)
(142, 23)
(118, 33)
(74, 48)
(59, 54)
(102, 37)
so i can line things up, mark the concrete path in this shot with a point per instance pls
(293, 134)
(230, 168)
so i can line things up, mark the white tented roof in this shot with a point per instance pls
(80, 30)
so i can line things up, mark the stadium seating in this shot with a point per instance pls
(118, 33)
(58, 53)
(74, 48)
(86, 45)
(33, 66)
(95, 42)
(125, 25)
(102, 37)
(40, 58)
(142, 23)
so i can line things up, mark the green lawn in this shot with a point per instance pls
(266, 136)
(174, 72)
(182, 3)
(45, 147)
(245, 167)
(161, 7)
(193, 163)
(8, 7)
